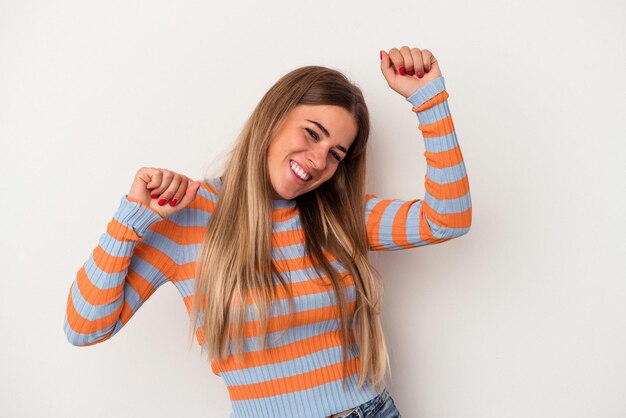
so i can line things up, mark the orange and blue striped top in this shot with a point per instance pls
(299, 374)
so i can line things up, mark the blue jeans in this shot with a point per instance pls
(382, 406)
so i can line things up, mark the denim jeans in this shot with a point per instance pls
(382, 406)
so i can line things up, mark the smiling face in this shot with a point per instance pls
(308, 147)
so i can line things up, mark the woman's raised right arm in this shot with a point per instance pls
(134, 257)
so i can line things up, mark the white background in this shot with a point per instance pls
(522, 317)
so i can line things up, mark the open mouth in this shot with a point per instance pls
(299, 172)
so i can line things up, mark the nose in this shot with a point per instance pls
(317, 158)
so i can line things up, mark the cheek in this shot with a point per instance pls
(279, 149)
(329, 175)
(270, 152)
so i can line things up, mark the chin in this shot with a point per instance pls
(286, 196)
(281, 194)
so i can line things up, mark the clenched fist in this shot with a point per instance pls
(165, 192)
(402, 69)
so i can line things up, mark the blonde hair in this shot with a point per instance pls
(234, 264)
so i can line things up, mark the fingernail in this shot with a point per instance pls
(402, 70)
(411, 72)
(173, 202)
(420, 74)
(427, 70)
(154, 195)
(162, 202)
(381, 54)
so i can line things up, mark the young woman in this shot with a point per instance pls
(271, 258)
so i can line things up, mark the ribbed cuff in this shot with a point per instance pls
(427, 92)
(136, 216)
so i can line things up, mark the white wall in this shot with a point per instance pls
(522, 317)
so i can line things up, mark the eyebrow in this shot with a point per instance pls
(323, 129)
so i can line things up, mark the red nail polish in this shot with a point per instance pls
(381, 55)
(411, 72)
(162, 202)
(173, 202)
(402, 70)
(154, 195)
(420, 74)
(427, 70)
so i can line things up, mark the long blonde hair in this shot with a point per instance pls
(234, 264)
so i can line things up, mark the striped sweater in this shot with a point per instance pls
(299, 374)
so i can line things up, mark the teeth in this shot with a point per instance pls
(299, 171)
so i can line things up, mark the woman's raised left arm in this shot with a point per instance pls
(446, 210)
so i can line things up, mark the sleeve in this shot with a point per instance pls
(134, 257)
(446, 210)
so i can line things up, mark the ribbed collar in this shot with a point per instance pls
(283, 203)
(276, 203)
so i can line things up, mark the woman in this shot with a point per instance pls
(271, 258)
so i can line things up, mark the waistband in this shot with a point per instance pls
(380, 398)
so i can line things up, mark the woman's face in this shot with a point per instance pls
(308, 147)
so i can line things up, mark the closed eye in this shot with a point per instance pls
(316, 137)
(312, 133)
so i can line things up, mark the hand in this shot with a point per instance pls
(172, 189)
(401, 67)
